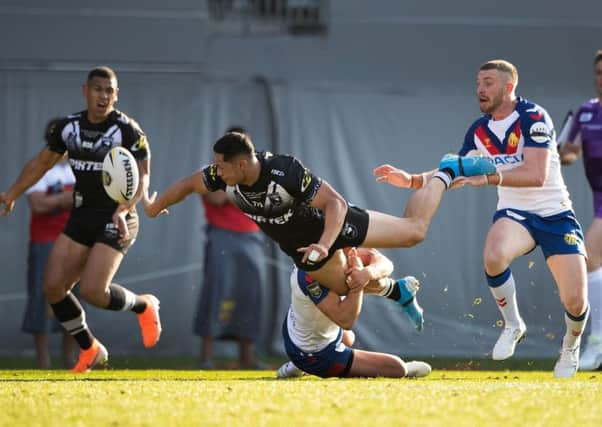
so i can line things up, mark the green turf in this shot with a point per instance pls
(187, 362)
(249, 398)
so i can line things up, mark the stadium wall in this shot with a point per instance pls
(387, 83)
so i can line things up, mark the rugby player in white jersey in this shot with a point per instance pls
(317, 329)
(534, 207)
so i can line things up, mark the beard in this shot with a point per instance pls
(492, 105)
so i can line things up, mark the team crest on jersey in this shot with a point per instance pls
(540, 132)
(513, 140)
(106, 141)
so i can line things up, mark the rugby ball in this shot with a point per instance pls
(120, 174)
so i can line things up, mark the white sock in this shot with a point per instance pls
(594, 285)
(505, 297)
(574, 329)
(386, 290)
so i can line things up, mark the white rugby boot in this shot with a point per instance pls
(591, 358)
(568, 362)
(417, 369)
(506, 343)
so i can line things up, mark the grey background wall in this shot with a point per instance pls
(389, 82)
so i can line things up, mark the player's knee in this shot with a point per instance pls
(574, 304)
(91, 294)
(416, 235)
(54, 290)
(495, 261)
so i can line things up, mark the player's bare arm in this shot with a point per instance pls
(335, 209)
(532, 173)
(30, 174)
(176, 193)
(400, 178)
(345, 311)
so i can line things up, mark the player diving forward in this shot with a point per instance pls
(309, 220)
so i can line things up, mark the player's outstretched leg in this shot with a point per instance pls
(289, 370)
(408, 287)
(457, 166)
(149, 321)
(417, 369)
(96, 355)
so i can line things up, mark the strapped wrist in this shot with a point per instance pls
(495, 181)
(418, 181)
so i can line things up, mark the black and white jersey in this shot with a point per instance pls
(87, 144)
(279, 202)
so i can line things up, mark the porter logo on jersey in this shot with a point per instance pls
(540, 133)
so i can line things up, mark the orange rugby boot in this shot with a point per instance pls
(149, 321)
(96, 355)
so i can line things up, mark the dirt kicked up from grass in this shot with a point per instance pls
(256, 398)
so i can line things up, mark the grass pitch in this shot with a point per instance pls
(249, 398)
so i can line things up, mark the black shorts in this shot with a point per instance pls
(87, 227)
(353, 233)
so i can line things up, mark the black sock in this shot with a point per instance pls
(395, 293)
(122, 299)
(70, 313)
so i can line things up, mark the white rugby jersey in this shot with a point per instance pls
(503, 142)
(309, 328)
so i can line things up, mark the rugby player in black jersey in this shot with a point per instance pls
(99, 231)
(309, 220)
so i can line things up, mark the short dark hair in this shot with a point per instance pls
(503, 66)
(597, 57)
(238, 129)
(102, 71)
(233, 144)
